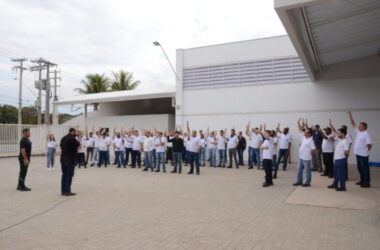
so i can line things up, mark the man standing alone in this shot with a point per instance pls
(69, 146)
(24, 159)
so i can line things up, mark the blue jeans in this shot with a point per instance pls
(222, 157)
(160, 157)
(363, 169)
(148, 160)
(301, 165)
(67, 176)
(50, 157)
(240, 156)
(136, 158)
(340, 169)
(177, 161)
(119, 158)
(254, 156)
(185, 156)
(128, 152)
(193, 159)
(202, 156)
(103, 158)
(212, 154)
(281, 153)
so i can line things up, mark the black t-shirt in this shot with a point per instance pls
(69, 146)
(242, 143)
(27, 145)
(177, 144)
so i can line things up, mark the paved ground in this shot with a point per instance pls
(220, 209)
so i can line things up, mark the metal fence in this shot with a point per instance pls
(10, 135)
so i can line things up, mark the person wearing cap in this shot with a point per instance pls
(328, 152)
(341, 154)
(362, 147)
(24, 159)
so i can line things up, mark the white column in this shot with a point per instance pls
(179, 88)
(55, 114)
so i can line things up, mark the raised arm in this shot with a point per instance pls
(247, 132)
(300, 124)
(278, 129)
(188, 127)
(353, 123)
(332, 127)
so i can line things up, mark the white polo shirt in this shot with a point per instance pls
(268, 153)
(119, 145)
(328, 144)
(210, 143)
(232, 141)
(203, 143)
(161, 148)
(103, 144)
(361, 141)
(96, 141)
(148, 144)
(193, 144)
(284, 140)
(136, 144)
(256, 140)
(307, 145)
(221, 142)
(341, 146)
(128, 141)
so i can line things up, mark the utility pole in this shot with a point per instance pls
(21, 69)
(39, 68)
(55, 83)
(47, 92)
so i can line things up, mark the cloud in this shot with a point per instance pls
(84, 36)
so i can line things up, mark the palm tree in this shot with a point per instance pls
(94, 83)
(123, 80)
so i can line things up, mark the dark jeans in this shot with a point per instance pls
(119, 158)
(267, 163)
(67, 176)
(185, 156)
(128, 151)
(340, 173)
(363, 169)
(23, 172)
(103, 155)
(177, 161)
(328, 161)
(193, 159)
(232, 157)
(240, 156)
(281, 153)
(136, 158)
(80, 159)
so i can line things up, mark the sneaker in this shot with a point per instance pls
(331, 186)
(24, 189)
(358, 183)
(265, 184)
(364, 185)
(297, 184)
(306, 185)
(340, 189)
(49, 169)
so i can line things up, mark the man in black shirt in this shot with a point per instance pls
(24, 159)
(69, 146)
(178, 148)
(242, 144)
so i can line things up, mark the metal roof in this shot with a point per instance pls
(125, 95)
(326, 32)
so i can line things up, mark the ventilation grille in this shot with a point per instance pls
(255, 72)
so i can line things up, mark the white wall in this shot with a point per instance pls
(227, 107)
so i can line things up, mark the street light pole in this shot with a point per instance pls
(167, 58)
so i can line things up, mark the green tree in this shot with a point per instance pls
(123, 80)
(94, 83)
(8, 114)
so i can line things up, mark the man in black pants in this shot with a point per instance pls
(24, 159)
(69, 146)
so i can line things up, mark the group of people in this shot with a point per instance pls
(329, 146)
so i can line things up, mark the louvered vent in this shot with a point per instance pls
(255, 72)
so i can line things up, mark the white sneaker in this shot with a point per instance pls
(52, 168)
(49, 169)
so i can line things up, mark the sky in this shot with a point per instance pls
(93, 36)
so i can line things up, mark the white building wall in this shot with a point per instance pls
(234, 106)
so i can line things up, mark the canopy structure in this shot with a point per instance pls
(329, 33)
(126, 95)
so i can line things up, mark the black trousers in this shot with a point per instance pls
(328, 161)
(136, 158)
(80, 159)
(89, 151)
(267, 164)
(23, 172)
(67, 176)
(169, 154)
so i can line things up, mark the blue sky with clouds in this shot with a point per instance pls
(94, 36)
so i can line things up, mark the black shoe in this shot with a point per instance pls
(358, 183)
(133, 166)
(331, 176)
(297, 184)
(197, 173)
(63, 194)
(190, 173)
(324, 174)
(124, 166)
(23, 189)
(145, 169)
(313, 169)
(306, 185)
(99, 166)
(340, 189)
(179, 172)
(173, 172)
(265, 184)
(164, 171)
(274, 176)
(320, 170)
(365, 185)
(250, 167)
(85, 166)
(157, 171)
(284, 168)
(229, 167)
(70, 194)
(105, 166)
(118, 166)
(331, 186)
(92, 164)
